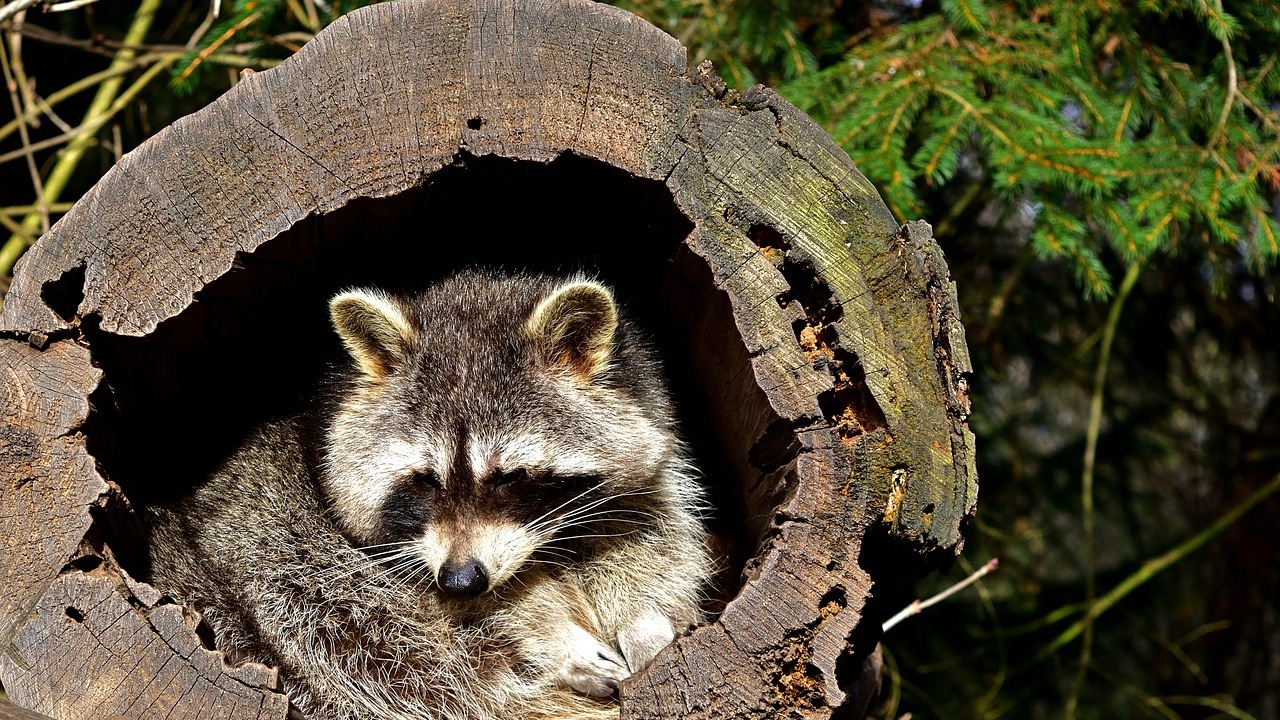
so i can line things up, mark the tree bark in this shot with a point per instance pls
(820, 341)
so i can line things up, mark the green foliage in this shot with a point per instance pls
(1102, 121)
(786, 37)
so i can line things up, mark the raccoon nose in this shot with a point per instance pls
(463, 581)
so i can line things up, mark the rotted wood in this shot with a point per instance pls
(841, 379)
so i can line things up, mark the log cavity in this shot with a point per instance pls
(257, 341)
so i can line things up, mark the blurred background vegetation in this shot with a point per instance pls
(1105, 180)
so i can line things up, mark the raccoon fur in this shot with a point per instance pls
(489, 514)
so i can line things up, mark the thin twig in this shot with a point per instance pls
(19, 71)
(75, 88)
(215, 8)
(17, 210)
(1233, 88)
(918, 606)
(71, 5)
(108, 48)
(1090, 459)
(313, 17)
(10, 225)
(948, 224)
(15, 79)
(28, 148)
(95, 116)
(1156, 565)
(48, 111)
(1222, 706)
(14, 8)
(101, 46)
(995, 309)
(300, 14)
(89, 128)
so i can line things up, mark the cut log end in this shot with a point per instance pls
(815, 351)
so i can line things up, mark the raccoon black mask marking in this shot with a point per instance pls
(499, 485)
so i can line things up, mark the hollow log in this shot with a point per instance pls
(814, 346)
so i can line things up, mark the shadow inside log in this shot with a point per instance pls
(257, 342)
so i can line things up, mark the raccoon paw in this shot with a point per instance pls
(641, 640)
(592, 668)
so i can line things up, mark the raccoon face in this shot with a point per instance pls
(493, 423)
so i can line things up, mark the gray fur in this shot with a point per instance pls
(314, 547)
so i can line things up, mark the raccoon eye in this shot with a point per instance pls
(426, 477)
(580, 481)
(508, 478)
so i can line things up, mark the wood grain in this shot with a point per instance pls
(824, 341)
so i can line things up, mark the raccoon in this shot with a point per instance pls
(489, 513)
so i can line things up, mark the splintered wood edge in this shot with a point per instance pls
(777, 205)
(47, 477)
(78, 637)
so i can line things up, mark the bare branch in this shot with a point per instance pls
(918, 606)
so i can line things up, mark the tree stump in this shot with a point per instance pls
(815, 348)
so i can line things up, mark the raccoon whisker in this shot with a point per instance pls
(346, 569)
(401, 543)
(597, 518)
(595, 535)
(397, 574)
(594, 525)
(553, 552)
(409, 561)
(593, 531)
(497, 592)
(572, 515)
(390, 563)
(341, 572)
(548, 562)
(378, 559)
(411, 550)
(534, 523)
(567, 520)
(532, 561)
(400, 574)
(377, 574)
(401, 581)
(362, 561)
(424, 576)
(601, 501)
(612, 510)
(607, 498)
(391, 555)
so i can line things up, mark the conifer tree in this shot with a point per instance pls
(1131, 127)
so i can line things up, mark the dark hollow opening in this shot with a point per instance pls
(257, 341)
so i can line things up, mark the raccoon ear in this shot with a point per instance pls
(374, 328)
(574, 327)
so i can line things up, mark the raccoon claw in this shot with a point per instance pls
(641, 640)
(593, 669)
(598, 677)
